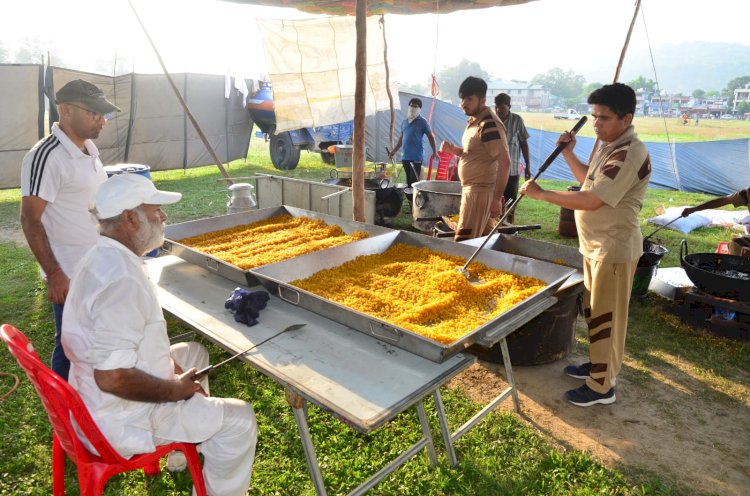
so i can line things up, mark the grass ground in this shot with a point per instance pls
(654, 128)
(503, 455)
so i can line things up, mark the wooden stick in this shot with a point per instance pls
(203, 138)
(388, 83)
(619, 62)
(358, 158)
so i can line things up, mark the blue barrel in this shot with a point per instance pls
(142, 170)
(112, 170)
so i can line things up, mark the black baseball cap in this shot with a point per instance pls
(80, 91)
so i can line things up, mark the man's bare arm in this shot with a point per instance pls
(32, 208)
(135, 385)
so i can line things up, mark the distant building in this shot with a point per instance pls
(668, 104)
(523, 95)
(741, 95)
(642, 101)
(712, 106)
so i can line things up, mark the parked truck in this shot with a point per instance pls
(568, 114)
(285, 147)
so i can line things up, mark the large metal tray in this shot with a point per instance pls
(277, 277)
(175, 232)
(538, 250)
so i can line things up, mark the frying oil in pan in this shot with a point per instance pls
(730, 273)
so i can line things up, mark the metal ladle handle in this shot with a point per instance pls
(512, 204)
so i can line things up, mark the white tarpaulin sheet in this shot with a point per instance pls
(311, 66)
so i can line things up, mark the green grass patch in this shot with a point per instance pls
(503, 455)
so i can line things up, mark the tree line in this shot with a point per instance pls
(572, 88)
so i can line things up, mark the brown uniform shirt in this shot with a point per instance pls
(618, 175)
(483, 141)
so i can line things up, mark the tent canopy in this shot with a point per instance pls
(374, 7)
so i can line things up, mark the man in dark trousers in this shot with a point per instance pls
(518, 136)
(413, 128)
(606, 212)
(59, 178)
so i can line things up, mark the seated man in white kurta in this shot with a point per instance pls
(138, 389)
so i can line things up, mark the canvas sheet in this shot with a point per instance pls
(21, 119)
(311, 66)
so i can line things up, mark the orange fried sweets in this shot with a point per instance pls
(270, 240)
(422, 290)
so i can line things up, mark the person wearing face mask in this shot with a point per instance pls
(138, 388)
(413, 128)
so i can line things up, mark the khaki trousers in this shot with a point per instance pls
(476, 201)
(606, 299)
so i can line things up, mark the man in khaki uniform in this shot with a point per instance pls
(484, 162)
(606, 212)
(741, 244)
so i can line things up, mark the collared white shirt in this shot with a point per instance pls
(57, 171)
(112, 320)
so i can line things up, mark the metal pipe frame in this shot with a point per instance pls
(300, 414)
(448, 438)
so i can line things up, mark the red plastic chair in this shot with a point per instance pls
(62, 404)
(446, 168)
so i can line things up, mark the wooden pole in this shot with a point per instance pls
(627, 41)
(388, 85)
(197, 127)
(358, 158)
(620, 61)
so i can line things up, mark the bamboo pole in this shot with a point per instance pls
(388, 85)
(358, 152)
(177, 93)
(619, 62)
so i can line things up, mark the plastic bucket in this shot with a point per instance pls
(646, 269)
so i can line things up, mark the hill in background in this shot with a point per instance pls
(684, 67)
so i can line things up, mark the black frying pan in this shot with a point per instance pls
(725, 276)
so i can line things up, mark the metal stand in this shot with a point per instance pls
(449, 438)
(299, 407)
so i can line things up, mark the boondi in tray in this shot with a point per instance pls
(422, 290)
(270, 240)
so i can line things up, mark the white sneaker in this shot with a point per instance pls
(176, 461)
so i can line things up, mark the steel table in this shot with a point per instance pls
(336, 368)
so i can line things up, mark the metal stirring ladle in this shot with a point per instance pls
(204, 371)
(512, 205)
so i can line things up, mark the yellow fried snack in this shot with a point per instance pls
(422, 290)
(270, 240)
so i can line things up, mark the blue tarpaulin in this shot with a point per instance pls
(713, 167)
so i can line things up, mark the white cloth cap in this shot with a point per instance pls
(128, 191)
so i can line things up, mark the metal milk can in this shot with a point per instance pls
(240, 198)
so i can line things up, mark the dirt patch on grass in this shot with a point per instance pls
(667, 422)
(13, 236)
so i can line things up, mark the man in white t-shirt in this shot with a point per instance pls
(59, 178)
